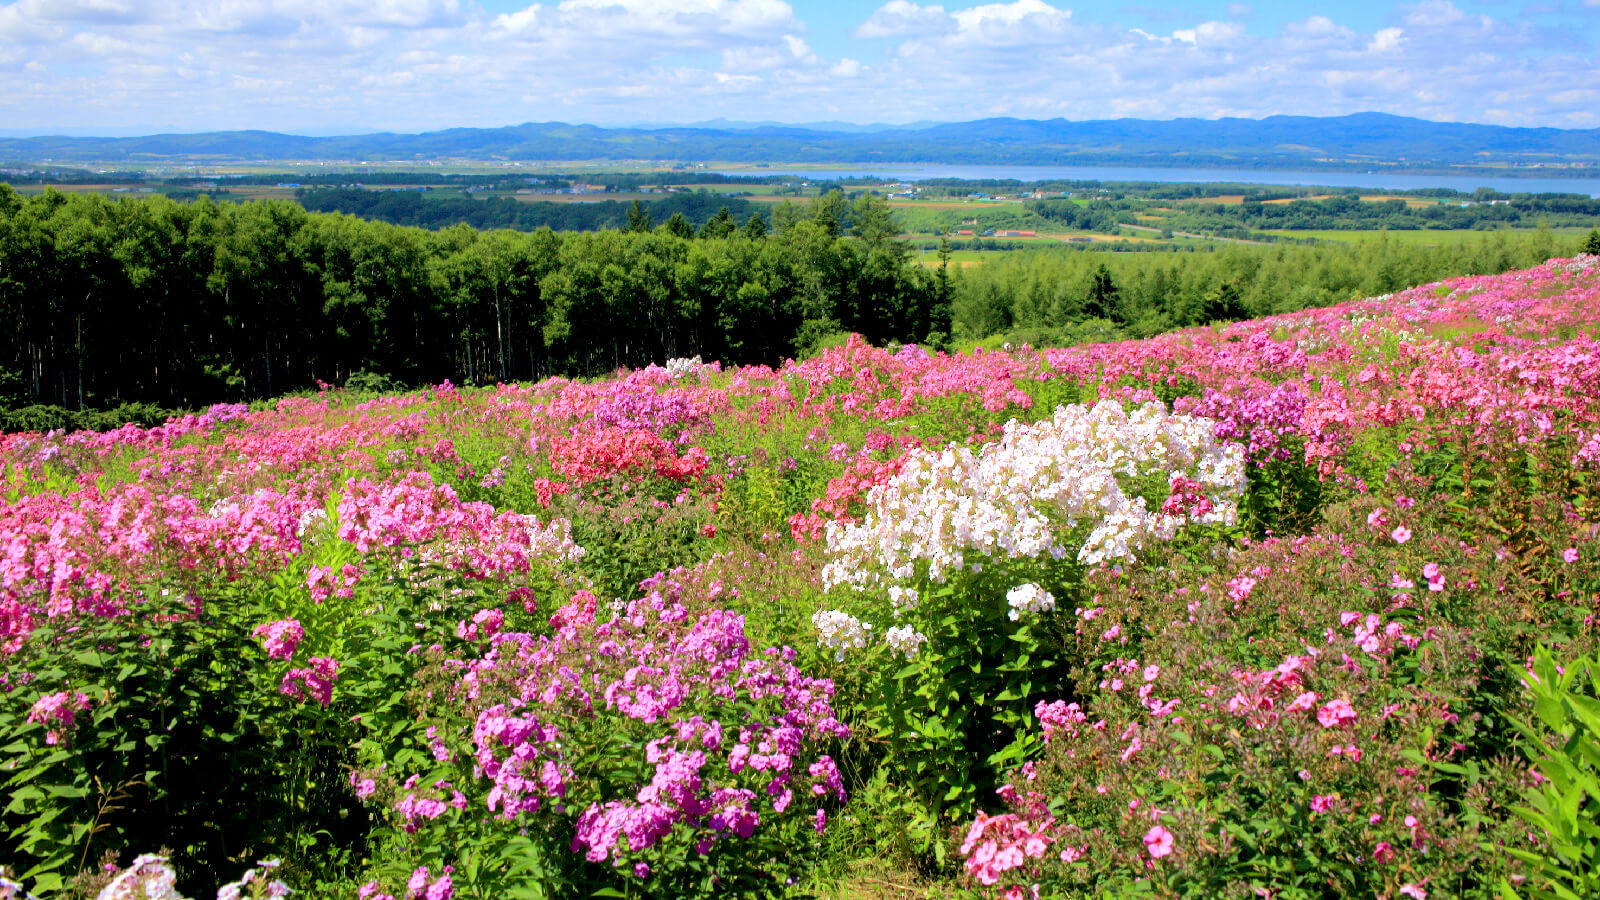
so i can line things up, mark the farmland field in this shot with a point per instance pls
(1298, 606)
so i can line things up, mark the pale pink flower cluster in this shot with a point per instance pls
(1057, 716)
(995, 845)
(57, 712)
(255, 883)
(904, 640)
(1434, 575)
(1336, 712)
(151, 877)
(413, 809)
(1028, 600)
(1373, 636)
(840, 631)
(323, 582)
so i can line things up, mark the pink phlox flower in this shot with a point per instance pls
(281, 637)
(57, 712)
(1335, 712)
(1158, 841)
(1303, 703)
(315, 681)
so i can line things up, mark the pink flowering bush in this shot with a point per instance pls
(645, 744)
(1318, 712)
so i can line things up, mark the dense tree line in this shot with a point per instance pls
(1058, 296)
(1096, 215)
(400, 207)
(155, 304)
(1352, 213)
(181, 304)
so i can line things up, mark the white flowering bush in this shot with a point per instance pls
(1071, 485)
(1091, 485)
(965, 555)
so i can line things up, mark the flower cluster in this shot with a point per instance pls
(904, 639)
(729, 739)
(1036, 488)
(840, 631)
(1029, 599)
(995, 845)
(281, 638)
(314, 681)
(57, 712)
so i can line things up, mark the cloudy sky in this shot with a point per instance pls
(344, 66)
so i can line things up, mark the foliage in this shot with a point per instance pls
(1563, 801)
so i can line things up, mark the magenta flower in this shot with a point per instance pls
(1401, 534)
(1158, 841)
(1570, 554)
(282, 637)
(316, 680)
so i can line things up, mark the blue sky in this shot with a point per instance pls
(341, 66)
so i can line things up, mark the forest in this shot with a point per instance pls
(123, 309)
(402, 207)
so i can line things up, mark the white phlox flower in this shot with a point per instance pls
(904, 639)
(840, 631)
(903, 599)
(1029, 599)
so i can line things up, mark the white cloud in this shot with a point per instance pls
(1385, 40)
(899, 18)
(343, 65)
(1212, 34)
(1434, 14)
(700, 22)
(1020, 23)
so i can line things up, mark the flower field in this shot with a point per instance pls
(1297, 607)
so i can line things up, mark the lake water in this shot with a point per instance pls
(1589, 187)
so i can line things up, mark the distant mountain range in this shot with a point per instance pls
(1363, 140)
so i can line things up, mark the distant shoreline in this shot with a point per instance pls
(1389, 180)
